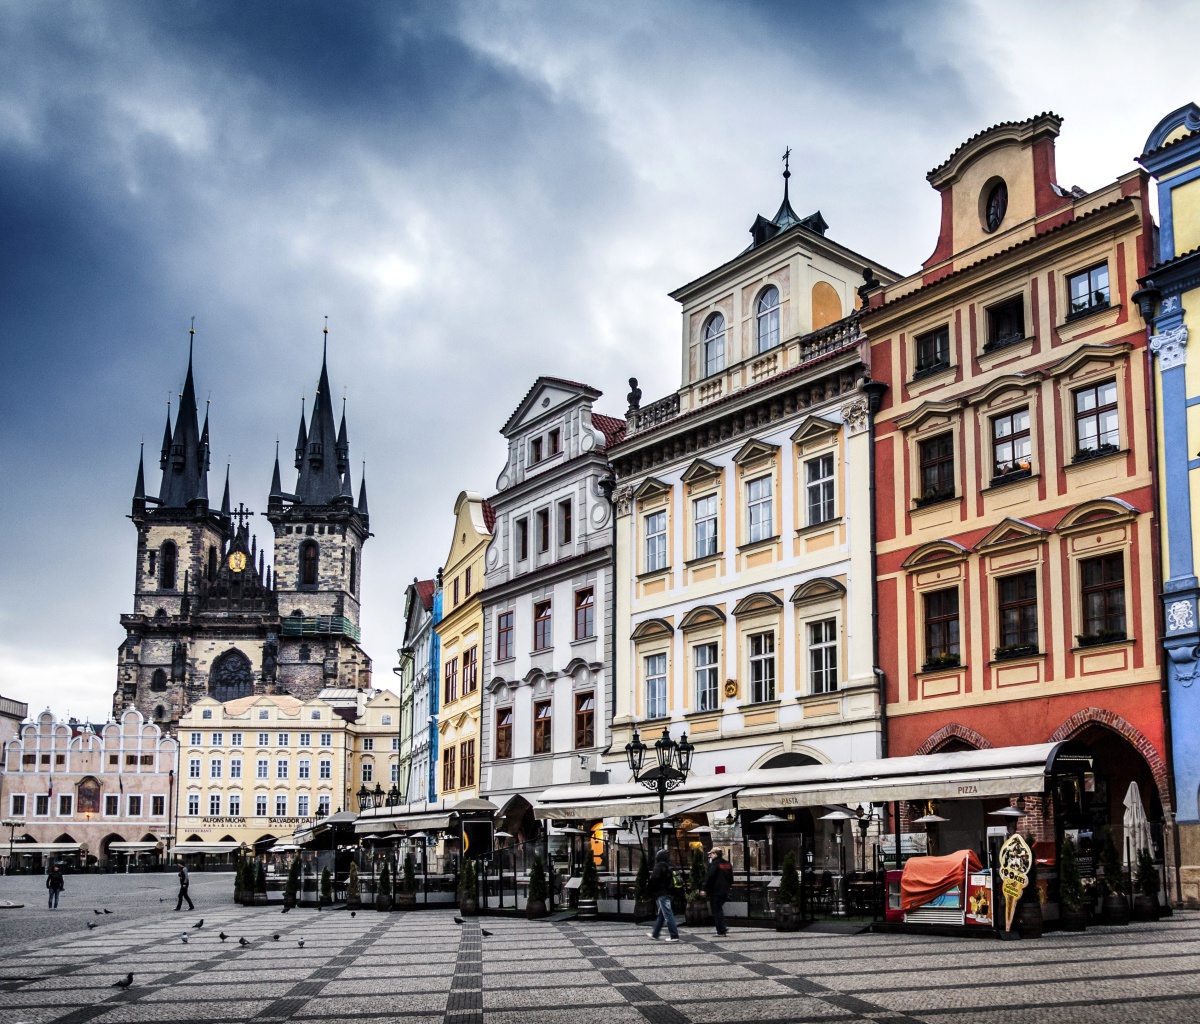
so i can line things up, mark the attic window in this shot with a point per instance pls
(535, 451)
(996, 206)
(554, 442)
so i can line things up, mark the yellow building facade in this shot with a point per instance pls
(460, 633)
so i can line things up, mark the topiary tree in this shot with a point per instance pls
(384, 889)
(641, 884)
(260, 880)
(467, 888)
(698, 875)
(409, 884)
(353, 885)
(1070, 882)
(537, 880)
(589, 882)
(326, 886)
(293, 881)
(239, 878)
(1147, 875)
(1110, 860)
(789, 882)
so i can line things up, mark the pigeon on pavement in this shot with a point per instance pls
(301, 942)
(354, 913)
(125, 982)
(91, 925)
(97, 913)
(184, 937)
(222, 936)
(242, 941)
(485, 931)
(275, 936)
(199, 924)
(107, 911)
(458, 920)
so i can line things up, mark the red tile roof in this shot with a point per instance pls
(489, 515)
(613, 428)
(425, 593)
(978, 135)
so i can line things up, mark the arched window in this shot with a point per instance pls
(309, 554)
(353, 569)
(212, 563)
(714, 345)
(766, 330)
(158, 682)
(231, 676)
(159, 711)
(166, 565)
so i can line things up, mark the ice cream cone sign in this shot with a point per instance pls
(1015, 861)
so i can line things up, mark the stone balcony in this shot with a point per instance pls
(797, 351)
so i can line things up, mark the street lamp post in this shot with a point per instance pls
(673, 762)
(12, 826)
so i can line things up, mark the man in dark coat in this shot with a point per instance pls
(54, 882)
(662, 888)
(184, 882)
(717, 886)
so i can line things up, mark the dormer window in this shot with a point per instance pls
(714, 345)
(553, 443)
(535, 451)
(766, 329)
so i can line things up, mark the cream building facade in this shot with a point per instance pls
(87, 794)
(744, 592)
(460, 638)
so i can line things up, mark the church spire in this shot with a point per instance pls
(166, 445)
(225, 496)
(319, 481)
(362, 490)
(276, 482)
(139, 487)
(343, 443)
(185, 462)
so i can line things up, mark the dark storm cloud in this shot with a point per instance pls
(474, 193)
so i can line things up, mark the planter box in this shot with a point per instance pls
(535, 909)
(787, 917)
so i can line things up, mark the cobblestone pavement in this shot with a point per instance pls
(422, 968)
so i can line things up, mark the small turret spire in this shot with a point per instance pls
(276, 482)
(139, 488)
(166, 445)
(301, 437)
(225, 496)
(362, 490)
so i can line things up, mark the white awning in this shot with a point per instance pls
(19, 848)
(223, 847)
(417, 817)
(133, 847)
(284, 848)
(959, 775)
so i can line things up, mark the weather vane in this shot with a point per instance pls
(787, 155)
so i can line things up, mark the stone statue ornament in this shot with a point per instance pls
(270, 660)
(1016, 860)
(635, 395)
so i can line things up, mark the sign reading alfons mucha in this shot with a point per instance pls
(1016, 860)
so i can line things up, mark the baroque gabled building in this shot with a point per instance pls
(744, 578)
(211, 617)
(547, 605)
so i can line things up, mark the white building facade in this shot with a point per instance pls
(548, 602)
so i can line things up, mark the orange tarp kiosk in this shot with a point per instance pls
(953, 889)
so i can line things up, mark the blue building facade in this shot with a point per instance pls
(1170, 300)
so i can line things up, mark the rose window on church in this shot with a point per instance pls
(231, 677)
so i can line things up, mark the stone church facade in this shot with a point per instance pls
(211, 618)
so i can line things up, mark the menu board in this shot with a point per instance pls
(979, 898)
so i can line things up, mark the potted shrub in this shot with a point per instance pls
(1116, 906)
(535, 904)
(292, 887)
(643, 905)
(1145, 903)
(696, 913)
(787, 902)
(406, 895)
(1070, 890)
(326, 887)
(468, 890)
(1029, 914)
(353, 889)
(260, 883)
(383, 891)
(589, 888)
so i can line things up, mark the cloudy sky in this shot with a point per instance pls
(473, 194)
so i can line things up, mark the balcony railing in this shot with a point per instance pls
(320, 625)
(794, 352)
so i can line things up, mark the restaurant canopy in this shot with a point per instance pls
(31, 848)
(221, 847)
(422, 816)
(956, 775)
(142, 847)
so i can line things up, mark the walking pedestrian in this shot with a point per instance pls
(662, 888)
(183, 888)
(54, 882)
(717, 886)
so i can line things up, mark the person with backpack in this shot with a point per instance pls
(661, 889)
(54, 882)
(184, 881)
(717, 886)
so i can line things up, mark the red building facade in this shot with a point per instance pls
(1017, 567)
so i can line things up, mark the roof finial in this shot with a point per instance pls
(325, 341)
(787, 172)
(191, 339)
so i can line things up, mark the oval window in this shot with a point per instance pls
(997, 206)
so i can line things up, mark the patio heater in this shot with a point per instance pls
(770, 820)
(839, 819)
(500, 868)
(930, 821)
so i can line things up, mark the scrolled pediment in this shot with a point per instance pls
(820, 589)
(704, 615)
(939, 552)
(757, 604)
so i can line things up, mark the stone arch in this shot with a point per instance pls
(799, 755)
(1081, 720)
(950, 732)
(231, 676)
